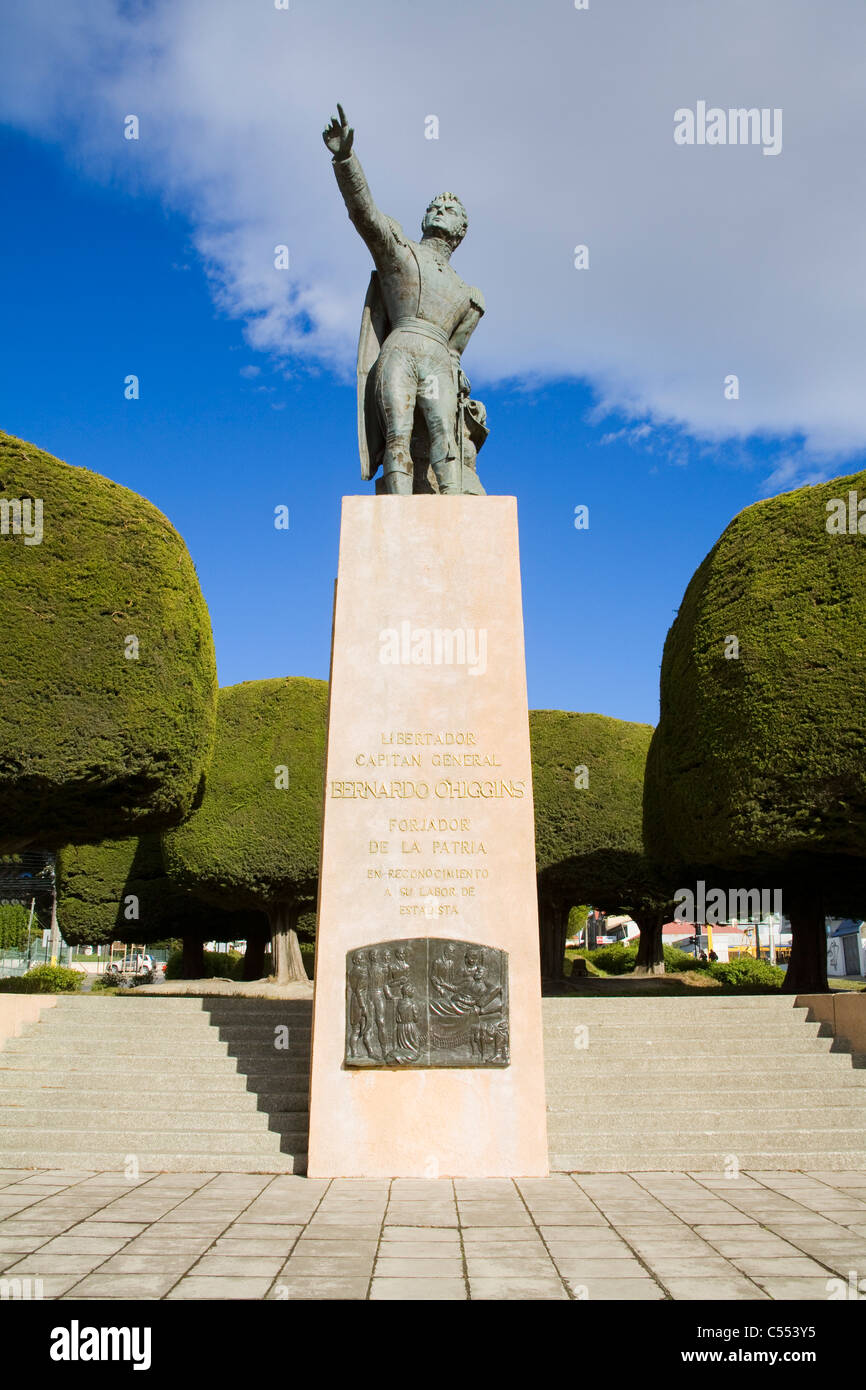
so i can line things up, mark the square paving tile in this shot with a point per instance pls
(126, 1286)
(584, 1270)
(437, 1235)
(248, 1268)
(85, 1245)
(811, 1289)
(163, 1263)
(220, 1287)
(498, 1233)
(690, 1267)
(425, 1290)
(485, 1288)
(294, 1288)
(783, 1266)
(412, 1267)
(320, 1265)
(93, 1226)
(36, 1263)
(713, 1289)
(419, 1249)
(622, 1290)
(236, 1246)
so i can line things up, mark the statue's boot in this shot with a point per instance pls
(447, 472)
(396, 481)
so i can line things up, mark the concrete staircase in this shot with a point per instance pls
(674, 1083)
(632, 1084)
(184, 1085)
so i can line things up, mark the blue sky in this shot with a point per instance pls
(109, 268)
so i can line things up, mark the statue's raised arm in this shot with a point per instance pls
(414, 420)
(370, 223)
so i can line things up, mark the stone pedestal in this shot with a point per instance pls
(427, 1037)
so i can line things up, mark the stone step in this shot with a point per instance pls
(658, 1136)
(577, 1101)
(185, 1029)
(85, 1099)
(833, 1121)
(186, 1160)
(683, 1072)
(48, 1081)
(249, 1141)
(749, 1007)
(777, 1032)
(130, 1044)
(131, 1064)
(125, 1121)
(671, 1048)
(637, 1160)
(111, 1007)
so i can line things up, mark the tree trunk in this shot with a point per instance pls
(650, 950)
(807, 968)
(288, 963)
(552, 927)
(54, 939)
(254, 956)
(193, 958)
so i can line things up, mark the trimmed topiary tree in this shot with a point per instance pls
(587, 777)
(756, 776)
(107, 673)
(118, 890)
(254, 840)
(14, 921)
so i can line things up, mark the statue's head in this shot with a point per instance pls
(446, 218)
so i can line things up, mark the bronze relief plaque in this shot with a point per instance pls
(427, 1002)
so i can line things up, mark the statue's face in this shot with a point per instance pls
(445, 217)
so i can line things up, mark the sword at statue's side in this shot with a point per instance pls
(460, 409)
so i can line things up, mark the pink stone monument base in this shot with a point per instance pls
(428, 723)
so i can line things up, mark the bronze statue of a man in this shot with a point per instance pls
(414, 416)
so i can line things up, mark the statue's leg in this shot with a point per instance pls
(396, 388)
(439, 408)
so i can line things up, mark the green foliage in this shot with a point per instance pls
(577, 919)
(613, 960)
(251, 843)
(746, 972)
(588, 840)
(306, 927)
(45, 979)
(570, 956)
(575, 823)
(224, 965)
(681, 960)
(620, 960)
(93, 743)
(97, 883)
(758, 764)
(13, 926)
(308, 955)
(100, 984)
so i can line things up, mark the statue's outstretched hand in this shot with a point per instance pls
(338, 136)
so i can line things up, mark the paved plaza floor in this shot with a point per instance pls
(762, 1235)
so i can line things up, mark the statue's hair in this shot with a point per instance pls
(455, 199)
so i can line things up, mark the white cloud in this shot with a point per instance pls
(556, 127)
